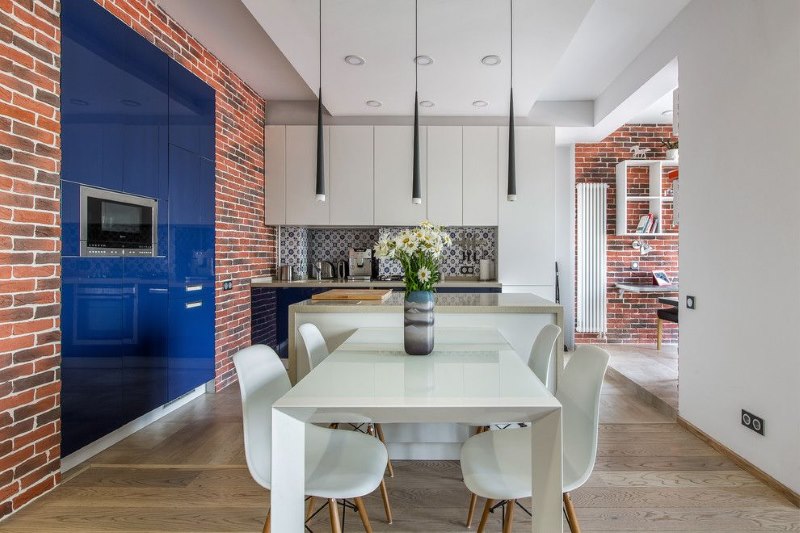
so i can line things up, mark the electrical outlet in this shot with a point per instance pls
(751, 421)
(691, 302)
(227, 285)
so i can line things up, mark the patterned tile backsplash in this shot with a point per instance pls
(303, 246)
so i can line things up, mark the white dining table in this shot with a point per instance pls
(473, 376)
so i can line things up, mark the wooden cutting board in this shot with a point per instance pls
(353, 294)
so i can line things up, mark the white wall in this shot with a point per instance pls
(565, 236)
(740, 235)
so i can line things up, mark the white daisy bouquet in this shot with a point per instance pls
(419, 251)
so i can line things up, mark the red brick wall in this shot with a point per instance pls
(30, 223)
(30, 159)
(630, 319)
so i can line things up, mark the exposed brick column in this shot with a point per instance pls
(30, 271)
(631, 319)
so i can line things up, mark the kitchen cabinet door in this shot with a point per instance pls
(302, 207)
(191, 340)
(526, 230)
(394, 149)
(480, 159)
(351, 184)
(444, 175)
(191, 112)
(275, 175)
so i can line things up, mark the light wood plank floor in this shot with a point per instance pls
(652, 373)
(187, 473)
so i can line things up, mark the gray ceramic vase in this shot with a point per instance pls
(418, 330)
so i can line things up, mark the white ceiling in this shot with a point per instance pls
(228, 29)
(613, 33)
(565, 52)
(655, 113)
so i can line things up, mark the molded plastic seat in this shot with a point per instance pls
(541, 359)
(497, 464)
(339, 464)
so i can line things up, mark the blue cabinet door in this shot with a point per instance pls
(93, 78)
(191, 340)
(191, 112)
(93, 331)
(144, 350)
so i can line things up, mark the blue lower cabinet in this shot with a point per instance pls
(287, 297)
(191, 340)
(94, 329)
(469, 290)
(144, 356)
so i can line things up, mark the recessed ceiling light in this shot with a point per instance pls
(424, 61)
(426, 103)
(480, 103)
(374, 103)
(130, 103)
(78, 101)
(666, 112)
(356, 61)
(490, 60)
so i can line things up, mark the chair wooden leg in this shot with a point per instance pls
(509, 521)
(386, 507)
(659, 332)
(485, 515)
(336, 527)
(362, 512)
(267, 522)
(379, 429)
(473, 500)
(571, 516)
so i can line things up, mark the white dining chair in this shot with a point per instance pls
(541, 359)
(496, 465)
(339, 464)
(317, 351)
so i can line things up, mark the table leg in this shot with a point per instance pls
(288, 472)
(547, 471)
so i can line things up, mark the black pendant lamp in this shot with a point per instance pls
(512, 160)
(320, 188)
(416, 189)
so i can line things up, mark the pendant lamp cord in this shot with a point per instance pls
(511, 42)
(320, 47)
(416, 47)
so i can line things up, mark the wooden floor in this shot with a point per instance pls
(187, 473)
(652, 373)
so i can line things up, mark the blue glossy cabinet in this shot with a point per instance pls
(191, 277)
(132, 337)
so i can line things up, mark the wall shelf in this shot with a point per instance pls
(653, 195)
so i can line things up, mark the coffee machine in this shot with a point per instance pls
(360, 264)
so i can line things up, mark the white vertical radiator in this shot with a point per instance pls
(592, 205)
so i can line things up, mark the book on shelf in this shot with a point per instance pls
(648, 223)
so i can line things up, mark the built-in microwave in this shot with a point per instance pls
(115, 224)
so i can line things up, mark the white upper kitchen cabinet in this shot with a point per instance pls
(526, 229)
(302, 207)
(480, 185)
(444, 175)
(394, 150)
(275, 175)
(351, 182)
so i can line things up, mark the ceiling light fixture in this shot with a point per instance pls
(490, 60)
(426, 103)
(320, 185)
(416, 188)
(354, 60)
(423, 61)
(512, 164)
(374, 103)
(480, 103)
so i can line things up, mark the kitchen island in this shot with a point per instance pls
(518, 318)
